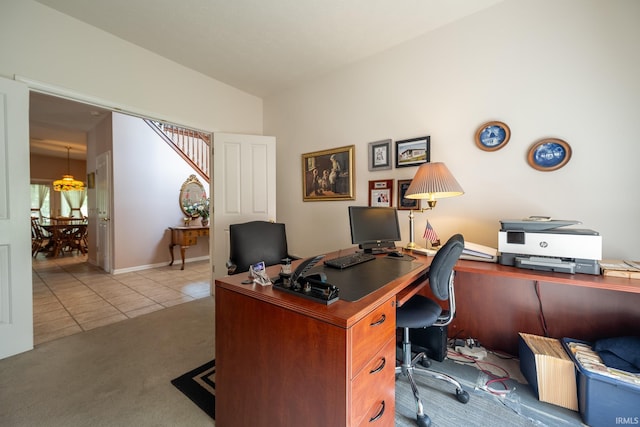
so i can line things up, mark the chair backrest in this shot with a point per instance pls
(36, 230)
(256, 241)
(442, 265)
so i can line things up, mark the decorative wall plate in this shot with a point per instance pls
(549, 154)
(492, 136)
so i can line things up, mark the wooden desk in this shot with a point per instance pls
(185, 237)
(282, 360)
(495, 302)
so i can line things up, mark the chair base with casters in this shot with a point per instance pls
(422, 312)
(409, 367)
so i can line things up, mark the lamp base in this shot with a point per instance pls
(412, 245)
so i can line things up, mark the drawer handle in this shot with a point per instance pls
(379, 322)
(378, 415)
(379, 368)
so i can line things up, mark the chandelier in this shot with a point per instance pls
(67, 183)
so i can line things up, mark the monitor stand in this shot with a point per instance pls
(377, 251)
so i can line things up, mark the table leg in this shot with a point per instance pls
(171, 245)
(182, 251)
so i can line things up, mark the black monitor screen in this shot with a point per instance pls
(374, 227)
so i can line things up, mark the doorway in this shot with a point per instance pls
(71, 292)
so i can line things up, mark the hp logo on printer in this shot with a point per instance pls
(543, 244)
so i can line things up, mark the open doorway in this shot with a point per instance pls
(78, 296)
(58, 147)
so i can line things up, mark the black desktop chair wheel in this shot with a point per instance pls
(423, 421)
(425, 361)
(462, 395)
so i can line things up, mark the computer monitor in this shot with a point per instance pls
(374, 229)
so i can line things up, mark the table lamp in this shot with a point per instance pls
(432, 181)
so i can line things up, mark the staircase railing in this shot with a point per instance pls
(193, 146)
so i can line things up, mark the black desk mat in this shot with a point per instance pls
(362, 279)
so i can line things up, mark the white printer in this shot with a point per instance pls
(540, 243)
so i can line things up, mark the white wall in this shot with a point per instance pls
(44, 45)
(148, 175)
(564, 69)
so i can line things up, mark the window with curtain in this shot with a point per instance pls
(40, 200)
(73, 203)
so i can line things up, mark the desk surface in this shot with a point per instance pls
(340, 313)
(345, 313)
(584, 280)
(194, 227)
(360, 280)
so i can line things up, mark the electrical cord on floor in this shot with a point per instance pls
(481, 365)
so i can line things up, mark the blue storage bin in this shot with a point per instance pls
(604, 401)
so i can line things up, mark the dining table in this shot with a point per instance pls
(65, 235)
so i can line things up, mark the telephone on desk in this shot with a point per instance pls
(313, 286)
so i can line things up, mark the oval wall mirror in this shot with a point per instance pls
(191, 192)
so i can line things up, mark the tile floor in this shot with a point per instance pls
(71, 295)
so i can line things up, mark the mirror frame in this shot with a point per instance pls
(191, 184)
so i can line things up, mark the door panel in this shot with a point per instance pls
(16, 309)
(244, 187)
(103, 205)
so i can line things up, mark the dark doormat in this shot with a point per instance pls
(199, 386)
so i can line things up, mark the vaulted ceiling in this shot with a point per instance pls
(261, 46)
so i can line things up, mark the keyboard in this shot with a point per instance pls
(349, 260)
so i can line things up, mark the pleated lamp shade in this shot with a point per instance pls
(433, 181)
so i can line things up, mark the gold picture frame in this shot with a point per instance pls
(328, 175)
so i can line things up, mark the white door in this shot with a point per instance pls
(16, 309)
(244, 187)
(103, 207)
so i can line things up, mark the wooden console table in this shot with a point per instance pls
(185, 237)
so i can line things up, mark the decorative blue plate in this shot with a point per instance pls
(492, 136)
(549, 154)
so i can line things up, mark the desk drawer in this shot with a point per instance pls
(381, 415)
(374, 385)
(370, 334)
(189, 241)
(190, 234)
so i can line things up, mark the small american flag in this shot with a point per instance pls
(431, 235)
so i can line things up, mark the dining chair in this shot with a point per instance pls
(39, 241)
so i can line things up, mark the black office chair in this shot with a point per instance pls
(256, 241)
(423, 312)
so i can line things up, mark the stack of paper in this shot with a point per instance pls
(620, 268)
(555, 378)
(476, 252)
